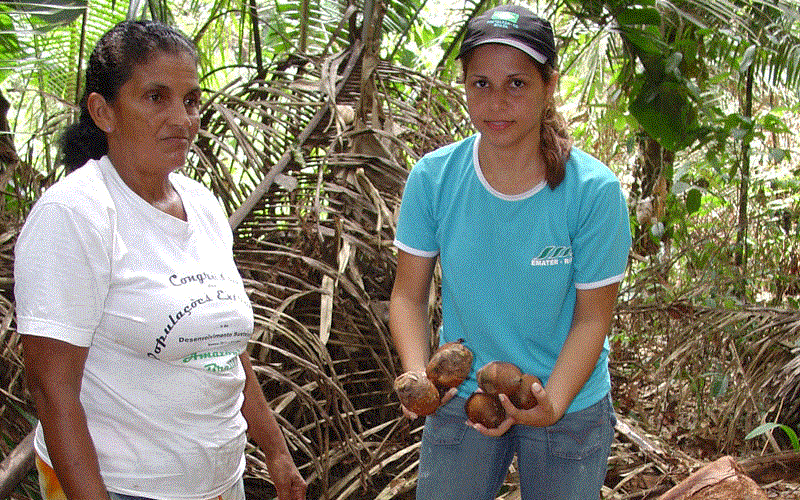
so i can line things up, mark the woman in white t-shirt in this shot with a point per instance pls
(133, 316)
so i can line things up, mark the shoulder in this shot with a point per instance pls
(78, 208)
(446, 162)
(457, 152)
(590, 187)
(83, 192)
(583, 168)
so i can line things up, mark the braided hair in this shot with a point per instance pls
(555, 142)
(111, 65)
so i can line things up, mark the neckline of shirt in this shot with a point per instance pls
(169, 223)
(494, 192)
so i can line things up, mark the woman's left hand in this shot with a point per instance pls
(541, 415)
(289, 484)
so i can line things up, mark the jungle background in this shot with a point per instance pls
(316, 109)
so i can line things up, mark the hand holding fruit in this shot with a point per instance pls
(417, 393)
(422, 393)
(488, 407)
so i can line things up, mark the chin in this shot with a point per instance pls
(177, 160)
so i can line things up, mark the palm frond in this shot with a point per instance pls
(315, 250)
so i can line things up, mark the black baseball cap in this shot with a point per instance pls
(515, 26)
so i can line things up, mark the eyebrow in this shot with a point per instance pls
(160, 86)
(513, 75)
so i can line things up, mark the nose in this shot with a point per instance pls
(498, 99)
(181, 115)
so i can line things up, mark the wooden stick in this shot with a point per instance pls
(16, 465)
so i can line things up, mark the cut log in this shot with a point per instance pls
(722, 479)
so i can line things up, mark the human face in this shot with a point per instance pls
(506, 96)
(155, 117)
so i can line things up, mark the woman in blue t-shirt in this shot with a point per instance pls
(532, 236)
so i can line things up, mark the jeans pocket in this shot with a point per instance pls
(447, 426)
(443, 431)
(580, 434)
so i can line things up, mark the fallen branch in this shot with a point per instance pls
(16, 465)
(771, 468)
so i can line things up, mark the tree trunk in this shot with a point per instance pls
(744, 188)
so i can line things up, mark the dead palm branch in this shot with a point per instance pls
(321, 190)
(310, 160)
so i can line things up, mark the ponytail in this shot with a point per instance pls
(555, 144)
(81, 142)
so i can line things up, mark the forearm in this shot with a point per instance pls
(410, 327)
(591, 324)
(70, 447)
(574, 366)
(409, 320)
(262, 426)
(264, 429)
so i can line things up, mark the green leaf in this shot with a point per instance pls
(666, 114)
(693, 200)
(719, 384)
(645, 42)
(769, 426)
(747, 59)
(774, 124)
(636, 15)
(53, 12)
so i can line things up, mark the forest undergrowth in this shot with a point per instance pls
(704, 347)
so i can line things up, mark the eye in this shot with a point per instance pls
(481, 84)
(516, 83)
(192, 102)
(155, 96)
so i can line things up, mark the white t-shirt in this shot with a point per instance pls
(161, 306)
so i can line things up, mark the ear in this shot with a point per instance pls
(552, 84)
(101, 112)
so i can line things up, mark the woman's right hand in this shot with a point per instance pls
(408, 313)
(444, 399)
(541, 415)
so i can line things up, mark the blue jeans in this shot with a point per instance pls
(566, 461)
(236, 492)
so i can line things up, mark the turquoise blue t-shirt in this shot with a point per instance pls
(511, 264)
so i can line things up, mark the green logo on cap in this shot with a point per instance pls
(510, 17)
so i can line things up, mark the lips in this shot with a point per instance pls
(176, 141)
(498, 125)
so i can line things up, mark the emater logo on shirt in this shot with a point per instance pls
(553, 256)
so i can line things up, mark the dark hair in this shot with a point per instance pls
(111, 64)
(555, 142)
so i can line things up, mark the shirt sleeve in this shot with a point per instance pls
(61, 275)
(603, 241)
(416, 226)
